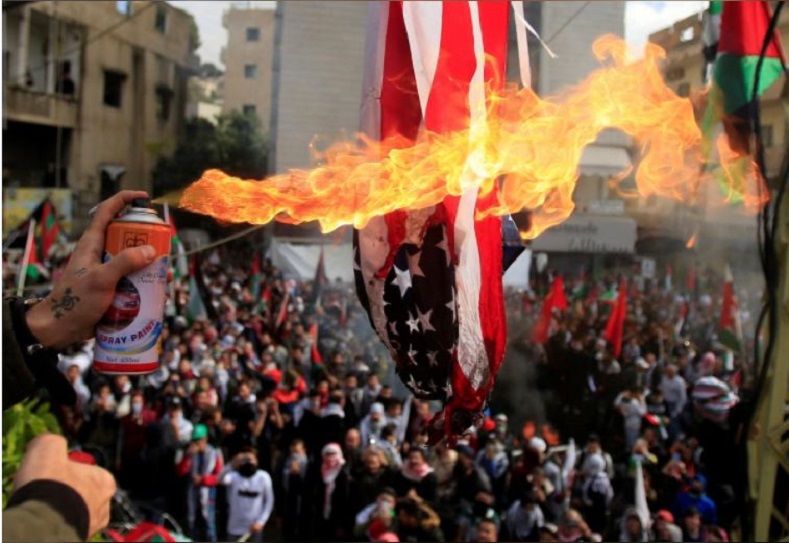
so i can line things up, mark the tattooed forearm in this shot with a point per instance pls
(80, 272)
(65, 303)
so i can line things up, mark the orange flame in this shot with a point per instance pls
(692, 241)
(528, 150)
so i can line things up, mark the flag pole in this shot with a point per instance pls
(20, 286)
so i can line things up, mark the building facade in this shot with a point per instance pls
(248, 59)
(95, 93)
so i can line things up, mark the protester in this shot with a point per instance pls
(242, 374)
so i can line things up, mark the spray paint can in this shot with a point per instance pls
(129, 334)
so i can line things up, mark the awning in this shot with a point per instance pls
(604, 160)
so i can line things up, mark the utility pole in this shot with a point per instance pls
(768, 439)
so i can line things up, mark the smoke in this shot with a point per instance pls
(516, 392)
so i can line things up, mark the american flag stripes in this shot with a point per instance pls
(430, 279)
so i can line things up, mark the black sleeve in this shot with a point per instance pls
(18, 381)
(60, 497)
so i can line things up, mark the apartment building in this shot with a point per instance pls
(248, 59)
(95, 93)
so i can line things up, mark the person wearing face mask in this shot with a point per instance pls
(131, 440)
(250, 496)
(181, 427)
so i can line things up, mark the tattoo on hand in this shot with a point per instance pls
(80, 272)
(65, 303)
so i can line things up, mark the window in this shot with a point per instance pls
(113, 88)
(249, 109)
(683, 90)
(250, 71)
(160, 22)
(124, 7)
(253, 34)
(767, 136)
(164, 98)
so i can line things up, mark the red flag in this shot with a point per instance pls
(555, 299)
(315, 354)
(614, 330)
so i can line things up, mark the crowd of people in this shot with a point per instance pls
(275, 415)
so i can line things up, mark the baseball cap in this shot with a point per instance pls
(200, 431)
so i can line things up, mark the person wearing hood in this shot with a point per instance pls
(330, 485)
(597, 493)
(664, 529)
(203, 463)
(417, 475)
(696, 498)
(250, 496)
(373, 423)
(632, 529)
(494, 461)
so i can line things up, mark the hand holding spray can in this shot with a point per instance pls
(129, 334)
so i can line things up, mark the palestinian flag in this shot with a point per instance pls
(609, 296)
(730, 330)
(181, 266)
(50, 228)
(35, 270)
(743, 27)
(255, 276)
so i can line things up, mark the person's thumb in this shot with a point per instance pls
(129, 261)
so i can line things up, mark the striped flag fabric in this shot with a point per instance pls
(430, 279)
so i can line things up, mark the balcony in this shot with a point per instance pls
(27, 106)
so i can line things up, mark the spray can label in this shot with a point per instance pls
(128, 335)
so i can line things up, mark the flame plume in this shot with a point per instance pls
(528, 151)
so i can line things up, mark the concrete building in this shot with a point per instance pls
(723, 230)
(248, 59)
(95, 92)
(205, 97)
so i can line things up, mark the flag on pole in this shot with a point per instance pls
(255, 277)
(569, 464)
(321, 280)
(614, 330)
(428, 278)
(711, 33)
(282, 314)
(555, 299)
(196, 309)
(315, 354)
(743, 27)
(730, 330)
(181, 265)
(50, 228)
(642, 508)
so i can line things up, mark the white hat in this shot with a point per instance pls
(538, 444)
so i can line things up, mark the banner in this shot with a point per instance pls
(19, 203)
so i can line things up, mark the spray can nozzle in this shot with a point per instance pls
(142, 202)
